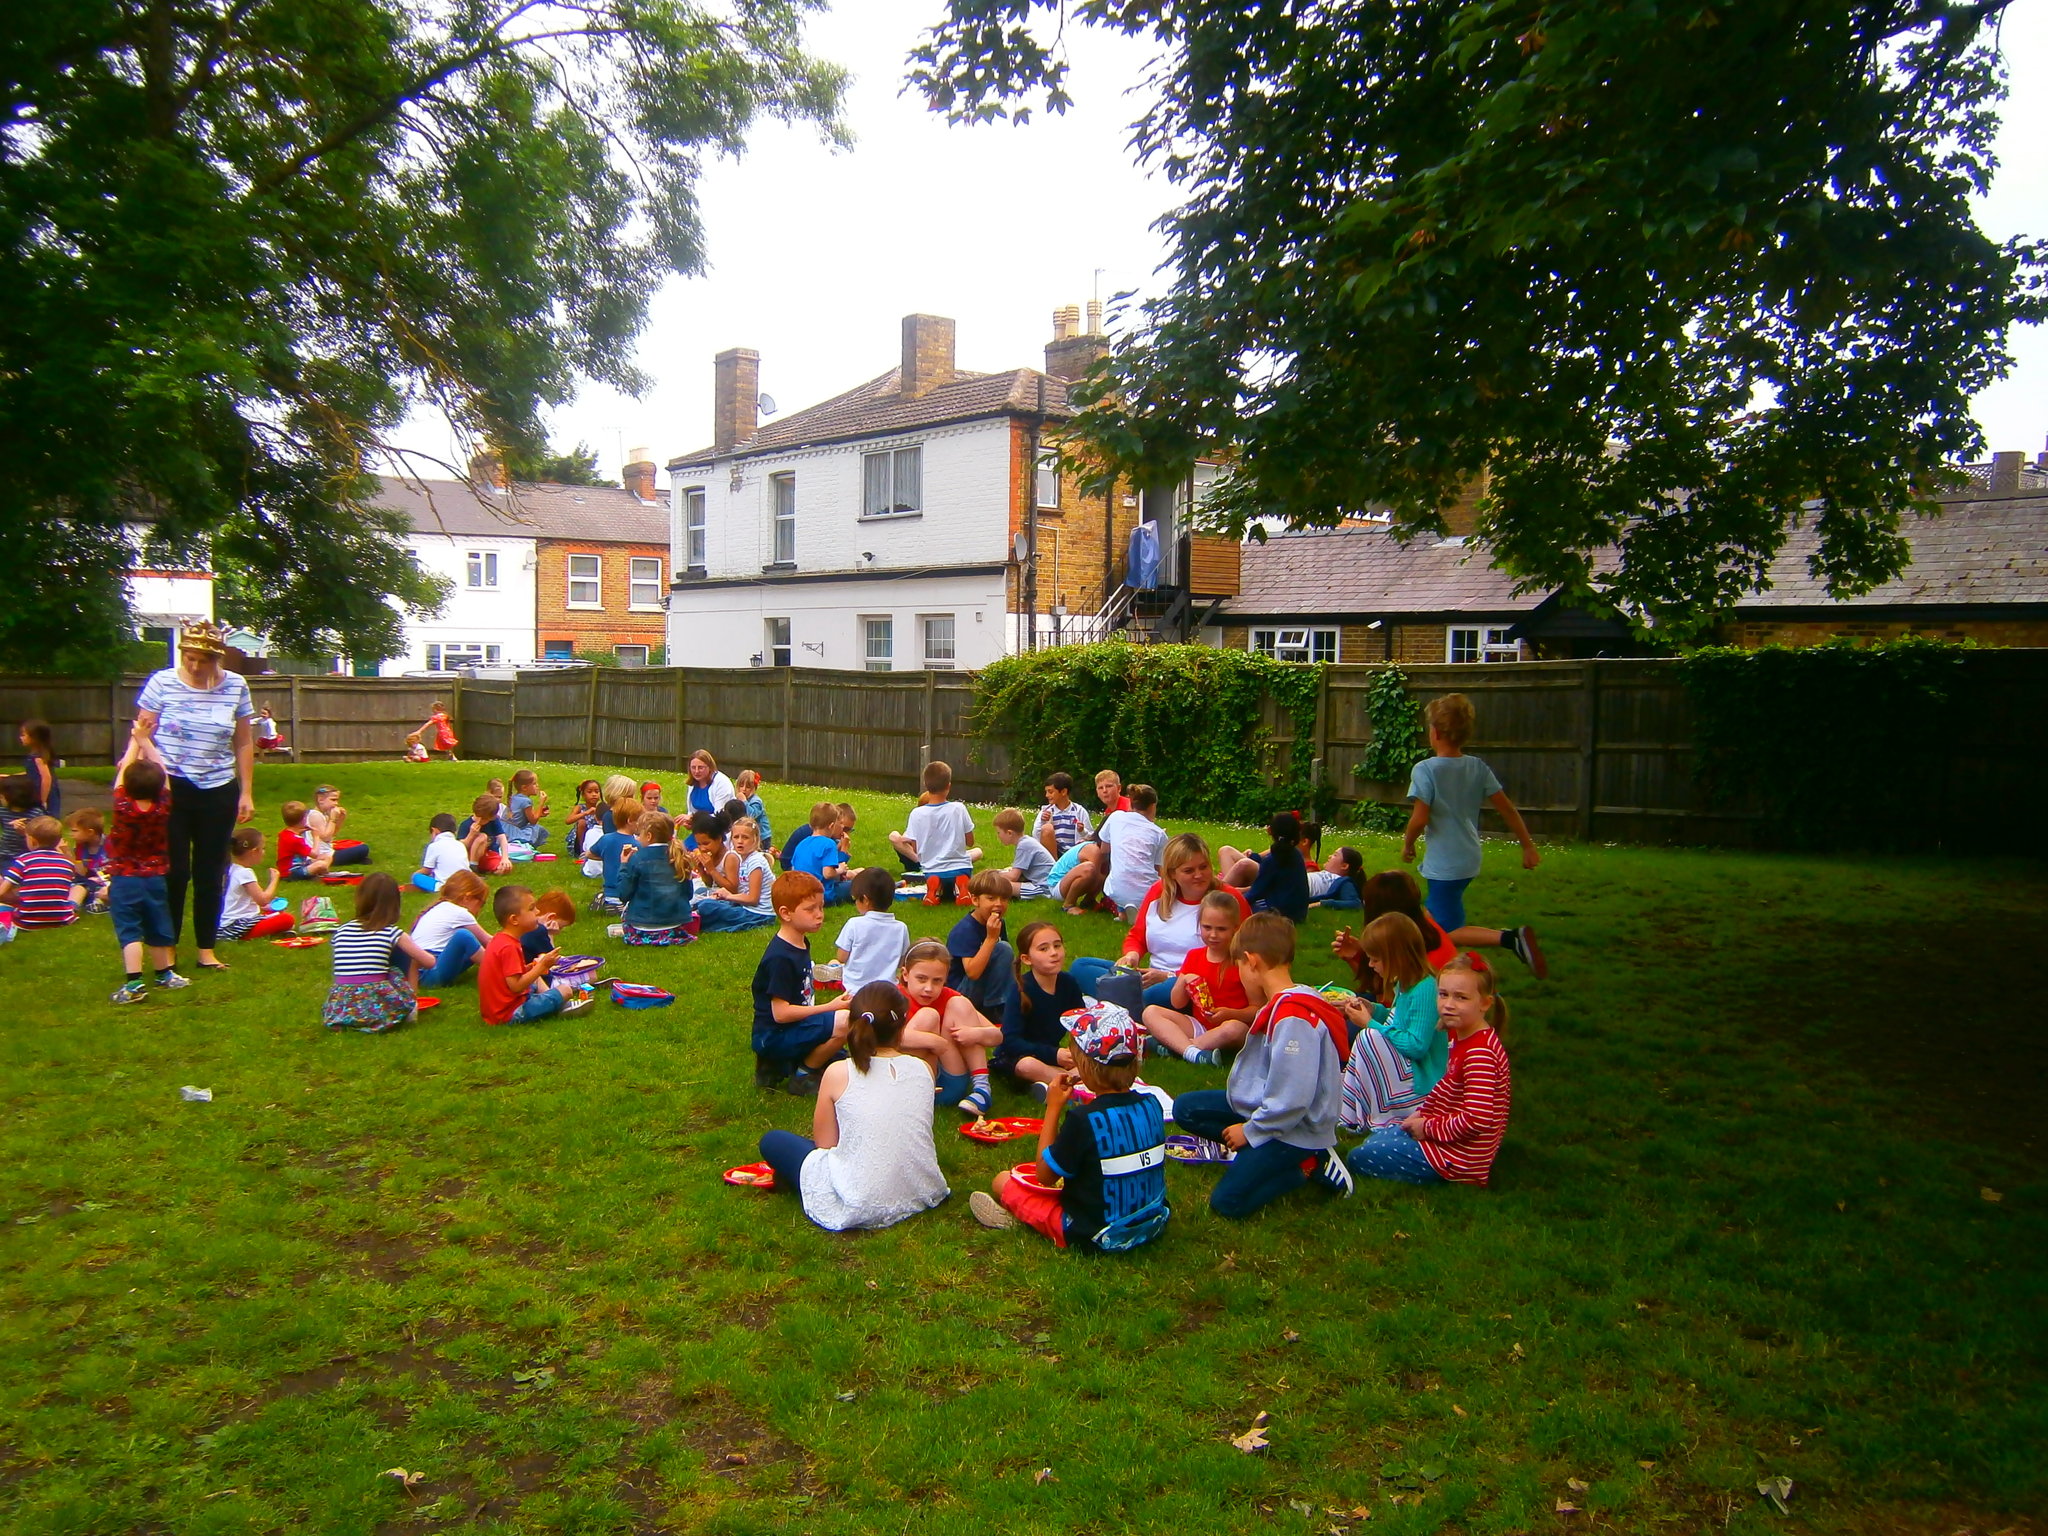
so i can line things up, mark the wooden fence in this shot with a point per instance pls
(1600, 750)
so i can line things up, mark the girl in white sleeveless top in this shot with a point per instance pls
(870, 1160)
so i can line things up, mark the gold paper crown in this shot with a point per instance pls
(203, 637)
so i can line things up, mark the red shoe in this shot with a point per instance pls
(960, 896)
(931, 890)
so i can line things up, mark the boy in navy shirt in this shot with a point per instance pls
(984, 971)
(1110, 1152)
(794, 1037)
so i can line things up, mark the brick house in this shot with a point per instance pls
(601, 586)
(917, 520)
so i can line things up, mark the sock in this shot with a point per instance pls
(1192, 1056)
(981, 1084)
(135, 978)
(164, 972)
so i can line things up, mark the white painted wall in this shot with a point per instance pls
(503, 616)
(964, 520)
(158, 599)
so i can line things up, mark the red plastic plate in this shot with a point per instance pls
(300, 941)
(995, 1131)
(429, 1002)
(751, 1176)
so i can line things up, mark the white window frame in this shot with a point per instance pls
(940, 655)
(1482, 642)
(1046, 482)
(1296, 642)
(694, 528)
(892, 483)
(639, 579)
(454, 655)
(482, 567)
(882, 627)
(782, 523)
(777, 643)
(592, 580)
(626, 656)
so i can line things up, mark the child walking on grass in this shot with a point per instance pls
(872, 942)
(1046, 993)
(654, 889)
(794, 1034)
(870, 1160)
(1279, 1112)
(1455, 1134)
(1108, 1155)
(138, 858)
(1397, 1054)
(1208, 1012)
(245, 910)
(367, 995)
(1448, 792)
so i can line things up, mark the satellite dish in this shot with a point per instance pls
(766, 403)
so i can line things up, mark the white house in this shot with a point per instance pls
(874, 531)
(488, 548)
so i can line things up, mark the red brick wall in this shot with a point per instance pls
(1070, 536)
(590, 629)
(1755, 632)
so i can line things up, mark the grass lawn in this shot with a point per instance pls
(1771, 1204)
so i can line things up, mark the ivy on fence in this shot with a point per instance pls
(1185, 719)
(1838, 745)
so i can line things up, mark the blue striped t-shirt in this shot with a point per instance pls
(195, 730)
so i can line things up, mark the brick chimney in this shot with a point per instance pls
(927, 354)
(1461, 517)
(2005, 473)
(1072, 351)
(487, 470)
(735, 398)
(638, 475)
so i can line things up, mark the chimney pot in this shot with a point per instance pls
(638, 475)
(1059, 325)
(927, 354)
(1095, 317)
(735, 398)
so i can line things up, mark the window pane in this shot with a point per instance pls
(1262, 642)
(559, 650)
(631, 655)
(644, 586)
(778, 642)
(492, 655)
(909, 490)
(1324, 646)
(491, 568)
(693, 528)
(874, 484)
(938, 640)
(785, 518)
(433, 658)
(585, 585)
(881, 643)
(1464, 645)
(1049, 478)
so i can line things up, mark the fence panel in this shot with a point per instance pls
(485, 724)
(740, 717)
(981, 769)
(346, 719)
(635, 718)
(863, 730)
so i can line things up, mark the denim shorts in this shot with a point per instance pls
(141, 910)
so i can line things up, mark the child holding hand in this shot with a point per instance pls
(1109, 1154)
(1455, 1134)
(794, 1034)
(138, 860)
(1279, 1112)
(870, 1160)
(1208, 1012)
(1398, 1053)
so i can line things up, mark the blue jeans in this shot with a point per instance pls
(538, 1005)
(1087, 971)
(449, 966)
(1258, 1175)
(785, 1151)
(1445, 901)
(355, 853)
(729, 917)
(1391, 1153)
(992, 990)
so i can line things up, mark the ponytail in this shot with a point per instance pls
(1285, 830)
(875, 1020)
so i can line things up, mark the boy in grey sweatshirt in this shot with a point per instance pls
(1279, 1112)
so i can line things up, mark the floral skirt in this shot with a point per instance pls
(369, 1006)
(682, 933)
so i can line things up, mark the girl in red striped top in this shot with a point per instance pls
(1453, 1136)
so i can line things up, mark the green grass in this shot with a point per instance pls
(1736, 1232)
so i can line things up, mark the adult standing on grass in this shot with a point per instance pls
(194, 718)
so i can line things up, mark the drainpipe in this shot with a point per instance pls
(1030, 573)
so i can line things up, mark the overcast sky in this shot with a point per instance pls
(816, 255)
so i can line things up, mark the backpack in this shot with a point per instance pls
(1314, 1005)
(316, 915)
(632, 994)
(1124, 988)
(1136, 1229)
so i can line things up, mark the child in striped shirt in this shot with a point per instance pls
(43, 884)
(1061, 823)
(371, 990)
(1453, 1136)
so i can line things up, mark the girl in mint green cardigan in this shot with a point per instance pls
(1398, 1053)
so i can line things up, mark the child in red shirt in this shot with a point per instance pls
(508, 989)
(1210, 1012)
(296, 859)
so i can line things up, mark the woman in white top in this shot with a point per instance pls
(1168, 924)
(746, 905)
(870, 1160)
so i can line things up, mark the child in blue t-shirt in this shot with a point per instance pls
(795, 1038)
(1448, 791)
(819, 856)
(612, 851)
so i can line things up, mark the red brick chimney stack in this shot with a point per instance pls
(927, 354)
(487, 470)
(638, 475)
(735, 398)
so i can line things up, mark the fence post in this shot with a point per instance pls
(788, 704)
(116, 748)
(1589, 756)
(1315, 767)
(298, 735)
(590, 719)
(931, 718)
(455, 709)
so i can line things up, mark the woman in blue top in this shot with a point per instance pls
(709, 789)
(194, 719)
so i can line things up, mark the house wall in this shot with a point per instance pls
(1412, 644)
(617, 622)
(965, 520)
(1081, 542)
(502, 616)
(726, 626)
(1763, 631)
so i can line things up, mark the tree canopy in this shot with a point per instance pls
(1670, 275)
(240, 239)
(576, 467)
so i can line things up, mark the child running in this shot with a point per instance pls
(1032, 1022)
(1279, 1112)
(1101, 1184)
(1208, 1012)
(245, 910)
(367, 995)
(438, 733)
(794, 1034)
(1398, 1053)
(870, 1160)
(1455, 1134)
(872, 942)
(653, 889)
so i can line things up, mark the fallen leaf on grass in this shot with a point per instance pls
(1576, 1485)
(223, 1493)
(1520, 1353)
(1253, 1440)
(1461, 1413)
(405, 1479)
(1301, 1507)
(1777, 1490)
(735, 1458)
(539, 1379)
(1402, 1235)
(846, 1397)
(1647, 1466)
(1289, 1336)
(1566, 1509)
(1044, 1475)
(1992, 1195)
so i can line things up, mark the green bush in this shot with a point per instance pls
(1838, 746)
(1183, 718)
